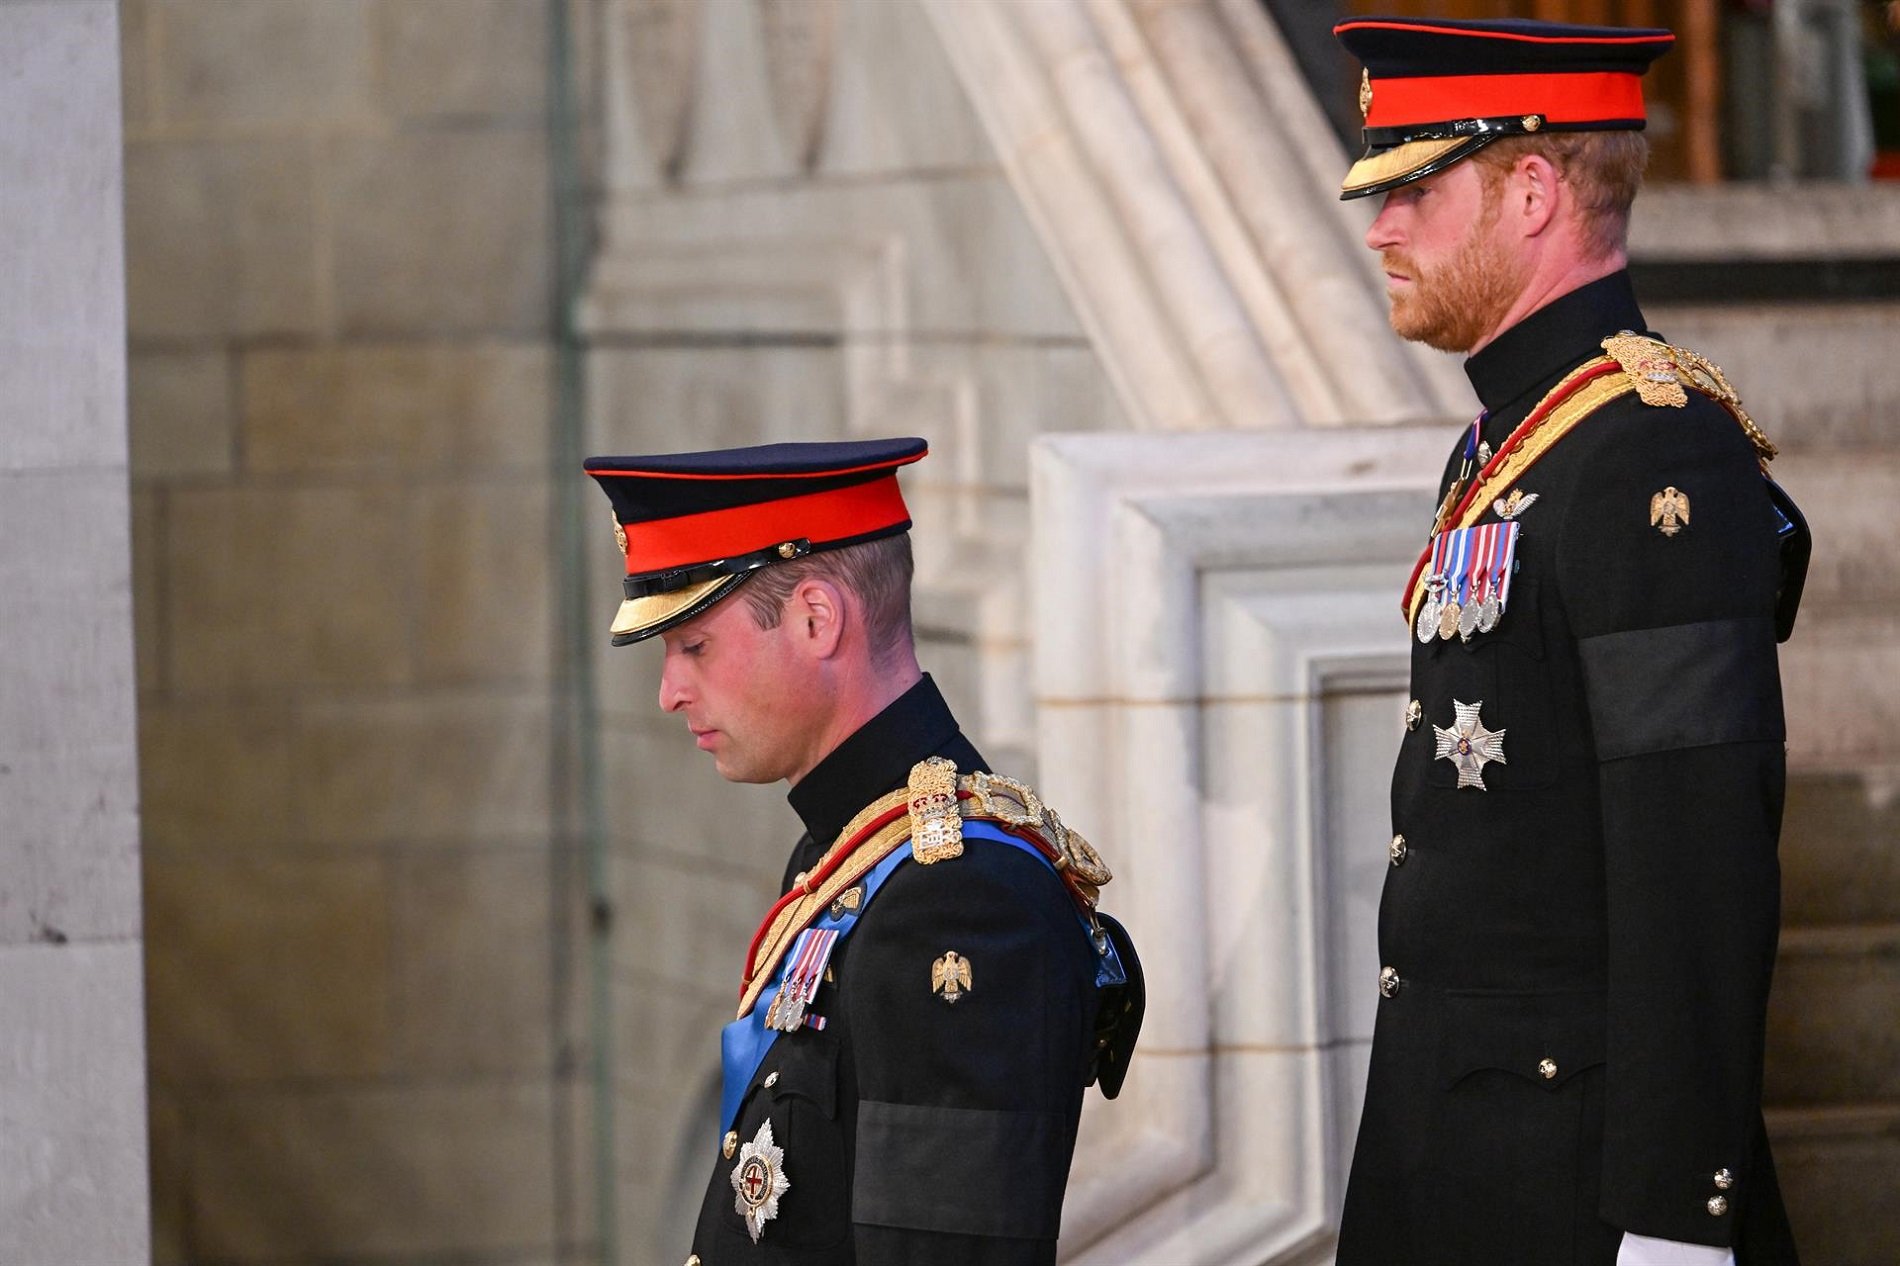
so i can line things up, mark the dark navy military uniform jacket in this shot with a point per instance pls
(1569, 1038)
(915, 1131)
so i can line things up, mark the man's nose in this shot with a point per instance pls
(672, 693)
(1383, 235)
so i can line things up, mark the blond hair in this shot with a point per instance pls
(1603, 169)
(876, 572)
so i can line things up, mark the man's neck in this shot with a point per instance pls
(1548, 285)
(861, 697)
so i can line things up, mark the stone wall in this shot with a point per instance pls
(72, 1075)
(340, 258)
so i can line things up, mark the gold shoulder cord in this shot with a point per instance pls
(1656, 371)
(934, 828)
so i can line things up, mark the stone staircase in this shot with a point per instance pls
(1822, 381)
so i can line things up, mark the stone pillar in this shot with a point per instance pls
(72, 1050)
(1220, 666)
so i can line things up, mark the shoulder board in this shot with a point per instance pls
(928, 814)
(1663, 374)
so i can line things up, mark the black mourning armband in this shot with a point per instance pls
(960, 1171)
(1683, 685)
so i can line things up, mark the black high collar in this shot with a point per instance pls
(1528, 359)
(877, 759)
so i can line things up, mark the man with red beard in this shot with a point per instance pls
(1580, 912)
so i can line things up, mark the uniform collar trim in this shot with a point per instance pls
(1553, 340)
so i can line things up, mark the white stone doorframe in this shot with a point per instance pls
(1220, 664)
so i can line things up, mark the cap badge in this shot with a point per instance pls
(1468, 745)
(1365, 94)
(758, 1180)
(950, 976)
(620, 534)
(1669, 511)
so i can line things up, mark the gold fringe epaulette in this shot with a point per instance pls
(1660, 373)
(928, 814)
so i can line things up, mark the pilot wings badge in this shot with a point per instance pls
(759, 1180)
(950, 976)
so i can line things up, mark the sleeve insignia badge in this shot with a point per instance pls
(1469, 746)
(1669, 511)
(758, 1180)
(950, 976)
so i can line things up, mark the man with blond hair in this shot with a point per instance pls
(1579, 917)
(921, 1008)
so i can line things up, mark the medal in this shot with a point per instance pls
(758, 1180)
(1488, 614)
(1468, 621)
(1468, 745)
(1428, 618)
(1448, 620)
(1429, 610)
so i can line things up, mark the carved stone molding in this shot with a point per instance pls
(800, 41)
(658, 43)
(1213, 613)
(1185, 183)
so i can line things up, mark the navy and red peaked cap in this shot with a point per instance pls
(1436, 91)
(693, 526)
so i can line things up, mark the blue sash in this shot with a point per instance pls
(744, 1042)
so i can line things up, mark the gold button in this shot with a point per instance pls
(1398, 850)
(1547, 1069)
(1389, 982)
(1724, 1180)
(1414, 713)
(788, 550)
(771, 1080)
(1718, 1205)
(693, 1260)
(729, 1144)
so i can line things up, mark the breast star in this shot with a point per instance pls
(1468, 745)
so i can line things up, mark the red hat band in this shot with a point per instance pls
(1558, 98)
(833, 515)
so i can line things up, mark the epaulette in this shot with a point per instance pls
(1663, 374)
(928, 814)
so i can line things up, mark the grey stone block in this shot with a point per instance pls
(274, 587)
(442, 232)
(399, 1171)
(61, 311)
(1838, 861)
(473, 972)
(463, 58)
(396, 407)
(268, 967)
(220, 240)
(182, 419)
(1831, 1035)
(1835, 1168)
(230, 62)
(68, 773)
(72, 1094)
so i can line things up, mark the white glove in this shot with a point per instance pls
(1641, 1250)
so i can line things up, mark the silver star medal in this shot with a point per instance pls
(1470, 746)
(759, 1180)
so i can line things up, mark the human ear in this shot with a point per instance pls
(819, 607)
(1534, 192)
